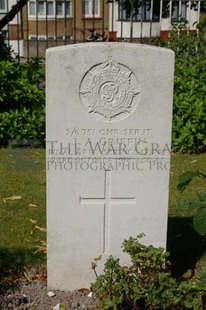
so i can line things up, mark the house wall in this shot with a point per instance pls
(82, 25)
(148, 28)
(48, 28)
(15, 32)
(76, 26)
(60, 31)
(72, 29)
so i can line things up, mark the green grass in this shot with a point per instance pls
(181, 163)
(19, 237)
(186, 247)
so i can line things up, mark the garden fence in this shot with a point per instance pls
(30, 27)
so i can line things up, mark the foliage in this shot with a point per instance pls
(196, 207)
(18, 86)
(189, 111)
(23, 123)
(22, 104)
(5, 51)
(147, 284)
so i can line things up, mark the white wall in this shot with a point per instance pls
(142, 29)
(17, 47)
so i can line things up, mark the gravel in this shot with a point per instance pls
(34, 295)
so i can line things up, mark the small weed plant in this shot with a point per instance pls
(147, 283)
(197, 207)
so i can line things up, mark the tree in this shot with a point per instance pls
(12, 13)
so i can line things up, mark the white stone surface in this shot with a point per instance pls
(58, 307)
(51, 294)
(109, 115)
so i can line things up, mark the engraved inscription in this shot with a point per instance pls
(110, 91)
(107, 201)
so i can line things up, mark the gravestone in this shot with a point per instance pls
(109, 116)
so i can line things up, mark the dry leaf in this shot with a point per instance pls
(33, 221)
(83, 290)
(41, 248)
(40, 228)
(31, 205)
(12, 198)
(26, 276)
(98, 258)
(42, 276)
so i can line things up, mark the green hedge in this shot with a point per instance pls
(22, 103)
(189, 110)
(23, 124)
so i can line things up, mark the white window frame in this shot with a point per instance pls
(49, 37)
(4, 9)
(54, 15)
(90, 13)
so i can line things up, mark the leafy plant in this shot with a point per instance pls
(189, 109)
(146, 284)
(18, 86)
(23, 123)
(22, 104)
(5, 50)
(197, 207)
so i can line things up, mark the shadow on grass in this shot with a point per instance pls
(13, 261)
(184, 244)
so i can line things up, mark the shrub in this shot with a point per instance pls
(19, 87)
(5, 50)
(23, 124)
(22, 103)
(189, 110)
(147, 284)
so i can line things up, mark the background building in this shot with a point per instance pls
(40, 24)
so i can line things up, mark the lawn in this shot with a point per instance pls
(22, 206)
(23, 209)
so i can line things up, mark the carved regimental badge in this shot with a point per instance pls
(110, 91)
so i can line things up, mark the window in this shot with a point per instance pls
(91, 8)
(141, 10)
(178, 10)
(51, 8)
(2, 5)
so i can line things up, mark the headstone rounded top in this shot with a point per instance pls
(109, 45)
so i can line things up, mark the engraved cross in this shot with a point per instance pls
(107, 201)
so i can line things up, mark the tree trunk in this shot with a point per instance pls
(12, 13)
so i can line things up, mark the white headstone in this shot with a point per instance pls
(109, 115)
